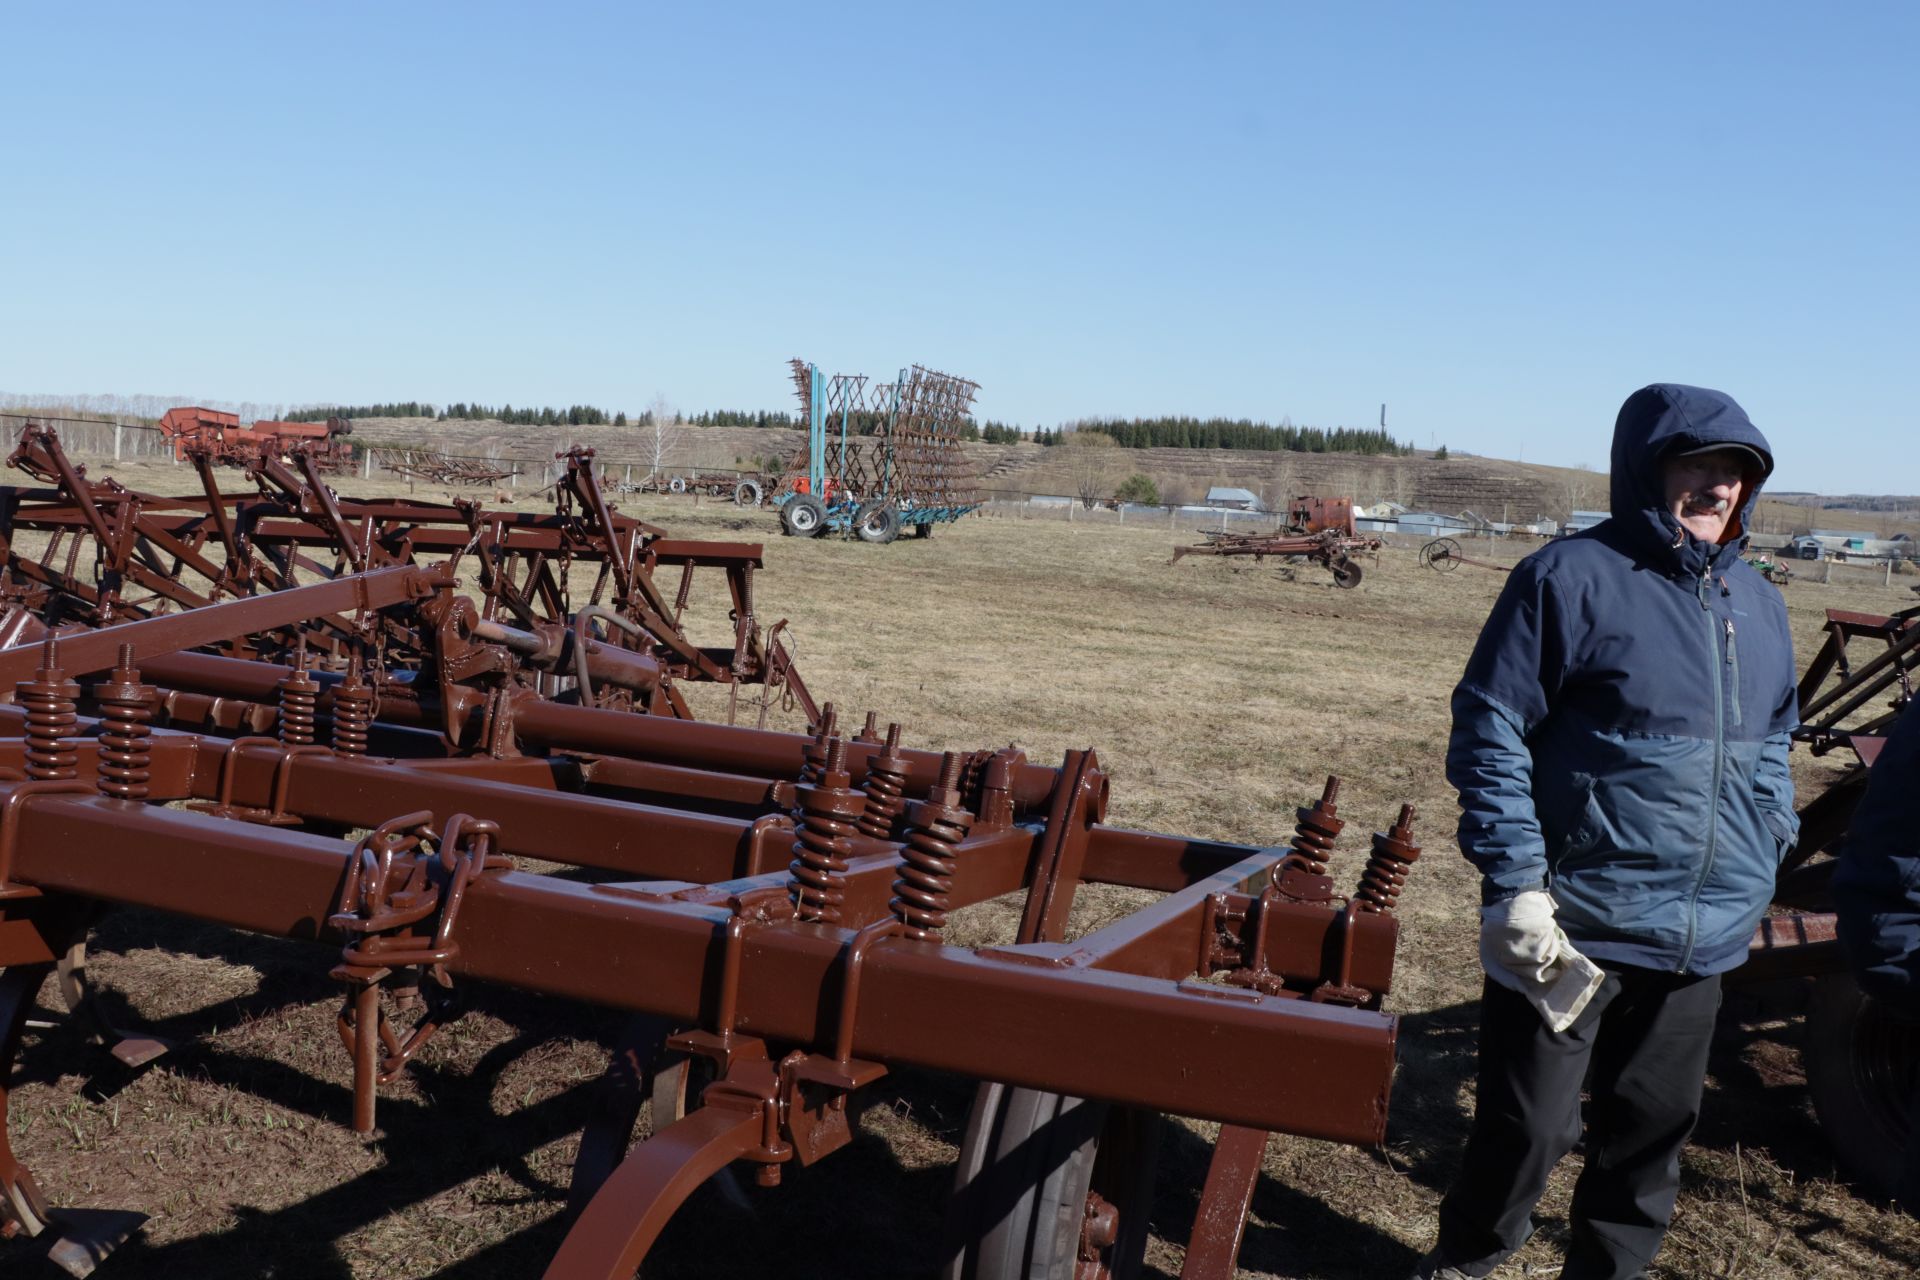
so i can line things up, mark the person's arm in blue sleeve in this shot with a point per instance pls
(1876, 887)
(1510, 684)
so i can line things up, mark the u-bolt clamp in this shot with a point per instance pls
(758, 906)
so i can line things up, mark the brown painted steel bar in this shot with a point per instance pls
(726, 748)
(82, 652)
(1141, 1041)
(1166, 938)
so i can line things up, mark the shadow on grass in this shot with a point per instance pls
(877, 1208)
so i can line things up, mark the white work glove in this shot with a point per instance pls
(1523, 950)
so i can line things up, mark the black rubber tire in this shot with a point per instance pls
(804, 516)
(923, 530)
(1027, 1164)
(877, 522)
(747, 494)
(1863, 1070)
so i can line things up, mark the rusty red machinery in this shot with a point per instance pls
(1310, 514)
(228, 442)
(1330, 549)
(1319, 530)
(443, 468)
(1443, 555)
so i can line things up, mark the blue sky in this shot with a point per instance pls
(1497, 219)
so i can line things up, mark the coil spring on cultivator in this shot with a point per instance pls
(49, 698)
(823, 845)
(126, 714)
(352, 715)
(1313, 837)
(299, 696)
(886, 781)
(1386, 873)
(923, 891)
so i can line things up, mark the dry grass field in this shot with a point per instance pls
(1219, 696)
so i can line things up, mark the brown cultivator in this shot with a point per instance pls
(771, 906)
(1330, 549)
(442, 468)
(1321, 530)
(147, 555)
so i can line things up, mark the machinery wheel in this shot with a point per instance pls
(747, 494)
(1346, 573)
(804, 516)
(677, 485)
(1863, 1070)
(1441, 555)
(923, 530)
(1038, 1175)
(877, 522)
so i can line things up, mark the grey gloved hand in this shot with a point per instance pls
(1524, 950)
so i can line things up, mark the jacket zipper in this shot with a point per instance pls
(1715, 661)
(1733, 672)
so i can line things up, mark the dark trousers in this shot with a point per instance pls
(1641, 1048)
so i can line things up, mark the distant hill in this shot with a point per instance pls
(1494, 488)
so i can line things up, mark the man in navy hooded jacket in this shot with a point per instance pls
(1620, 747)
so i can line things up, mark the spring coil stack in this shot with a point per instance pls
(49, 699)
(126, 730)
(823, 846)
(299, 696)
(352, 714)
(1313, 837)
(1301, 875)
(1393, 855)
(923, 892)
(886, 780)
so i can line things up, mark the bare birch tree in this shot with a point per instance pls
(1092, 462)
(1580, 489)
(662, 434)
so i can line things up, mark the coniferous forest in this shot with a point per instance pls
(1128, 433)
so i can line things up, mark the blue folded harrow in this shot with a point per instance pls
(881, 457)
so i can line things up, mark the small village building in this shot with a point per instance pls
(1430, 524)
(1579, 521)
(1233, 499)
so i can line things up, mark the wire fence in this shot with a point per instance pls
(97, 437)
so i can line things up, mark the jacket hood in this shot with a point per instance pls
(1655, 423)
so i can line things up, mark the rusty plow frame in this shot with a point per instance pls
(1331, 549)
